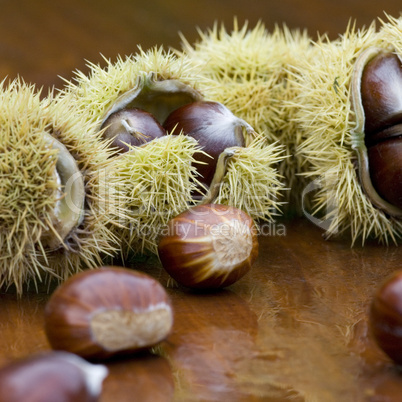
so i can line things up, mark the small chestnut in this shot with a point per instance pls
(215, 128)
(108, 311)
(381, 97)
(51, 377)
(209, 246)
(386, 316)
(131, 127)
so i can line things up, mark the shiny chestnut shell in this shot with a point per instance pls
(386, 317)
(51, 377)
(381, 96)
(209, 246)
(108, 311)
(131, 127)
(386, 169)
(380, 91)
(213, 126)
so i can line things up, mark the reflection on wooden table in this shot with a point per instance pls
(294, 328)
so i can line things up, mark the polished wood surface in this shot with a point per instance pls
(294, 328)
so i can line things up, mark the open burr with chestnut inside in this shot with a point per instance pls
(349, 114)
(98, 314)
(209, 246)
(215, 128)
(139, 104)
(377, 86)
(131, 127)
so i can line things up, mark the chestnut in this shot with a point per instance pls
(108, 311)
(209, 246)
(381, 98)
(51, 377)
(131, 127)
(385, 316)
(215, 128)
(385, 163)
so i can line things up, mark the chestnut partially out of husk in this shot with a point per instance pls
(249, 70)
(215, 128)
(349, 112)
(377, 102)
(160, 178)
(131, 127)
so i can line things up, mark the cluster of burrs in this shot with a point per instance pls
(334, 105)
(272, 123)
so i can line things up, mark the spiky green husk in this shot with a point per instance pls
(248, 70)
(324, 112)
(166, 182)
(94, 93)
(27, 185)
(390, 34)
(257, 190)
(159, 179)
(151, 175)
(95, 238)
(29, 190)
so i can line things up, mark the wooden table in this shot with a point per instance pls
(295, 328)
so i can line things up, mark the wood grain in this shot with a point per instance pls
(294, 328)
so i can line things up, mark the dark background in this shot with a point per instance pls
(42, 40)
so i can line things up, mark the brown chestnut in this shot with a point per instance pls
(381, 97)
(386, 169)
(131, 127)
(51, 377)
(215, 128)
(386, 316)
(209, 246)
(108, 311)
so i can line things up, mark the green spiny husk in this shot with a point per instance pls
(326, 116)
(30, 190)
(248, 70)
(158, 182)
(158, 179)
